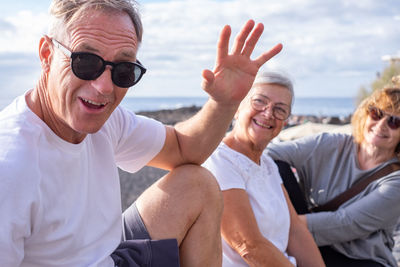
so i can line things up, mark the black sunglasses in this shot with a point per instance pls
(88, 66)
(377, 114)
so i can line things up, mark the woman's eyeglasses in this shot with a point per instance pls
(88, 66)
(261, 103)
(377, 114)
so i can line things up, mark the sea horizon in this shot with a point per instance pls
(317, 106)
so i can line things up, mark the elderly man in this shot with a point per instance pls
(62, 141)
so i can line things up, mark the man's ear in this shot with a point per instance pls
(45, 52)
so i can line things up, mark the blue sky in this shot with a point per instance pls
(331, 47)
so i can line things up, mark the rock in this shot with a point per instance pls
(134, 184)
(332, 120)
(171, 116)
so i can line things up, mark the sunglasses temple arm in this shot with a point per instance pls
(61, 47)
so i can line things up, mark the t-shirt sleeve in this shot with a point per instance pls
(20, 203)
(225, 171)
(138, 141)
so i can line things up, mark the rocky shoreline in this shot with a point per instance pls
(173, 116)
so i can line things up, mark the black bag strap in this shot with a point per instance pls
(334, 203)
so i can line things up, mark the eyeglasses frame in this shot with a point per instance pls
(266, 107)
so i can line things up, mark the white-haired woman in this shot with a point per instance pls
(259, 225)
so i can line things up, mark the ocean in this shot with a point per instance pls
(318, 106)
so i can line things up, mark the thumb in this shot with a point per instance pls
(208, 80)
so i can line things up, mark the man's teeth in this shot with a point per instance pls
(93, 103)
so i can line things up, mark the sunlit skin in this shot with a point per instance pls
(72, 107)
(254, 129)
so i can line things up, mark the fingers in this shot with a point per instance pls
(264, 57)
(244, 44)
(223, 42)
(241, 37)
(252, 41)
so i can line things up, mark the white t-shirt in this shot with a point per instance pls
(60, 202)
(262, 184)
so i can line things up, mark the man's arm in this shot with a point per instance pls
(194, 140)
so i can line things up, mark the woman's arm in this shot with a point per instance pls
(301, 244)
(294, 152)
(376, 210)
(240, 230)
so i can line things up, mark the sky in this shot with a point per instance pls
(330, 48)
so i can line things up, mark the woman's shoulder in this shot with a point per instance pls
(228, 167)
(332, 136)
(224, 155)
(328, 140)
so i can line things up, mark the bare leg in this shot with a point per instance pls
(186, 204)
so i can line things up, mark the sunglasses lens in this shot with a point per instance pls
(375, 113)
(126, 74)
(87, 66)
(393, 122)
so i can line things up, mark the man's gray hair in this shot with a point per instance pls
(274, 77)
(66, 12)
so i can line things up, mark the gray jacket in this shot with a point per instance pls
(327, 165)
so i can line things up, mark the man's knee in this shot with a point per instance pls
(199, 182)
(186, 196)
(198, 176)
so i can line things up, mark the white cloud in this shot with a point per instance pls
(324, 41)
(331, 47)
(21, 31)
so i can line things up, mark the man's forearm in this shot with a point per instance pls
(201, 134)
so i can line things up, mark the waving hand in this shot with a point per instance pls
(234, 72)
(193, 140)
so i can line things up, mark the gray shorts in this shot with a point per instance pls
(137, 248)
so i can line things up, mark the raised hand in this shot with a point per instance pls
(234, 72)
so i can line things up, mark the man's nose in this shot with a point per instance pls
(103, 84)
